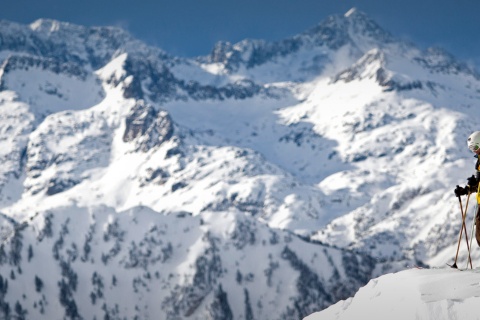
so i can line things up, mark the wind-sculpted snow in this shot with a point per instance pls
(411, 294)
(16, 123)
(48, 85)
(103, 263)
(63, 149)
(218, 187)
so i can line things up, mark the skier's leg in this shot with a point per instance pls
(477, 225)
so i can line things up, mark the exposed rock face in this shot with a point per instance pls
(147, 127)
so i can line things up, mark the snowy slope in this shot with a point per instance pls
(284, 174)
(141, 264)
(412, 294)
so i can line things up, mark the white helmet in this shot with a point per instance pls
(473, 141)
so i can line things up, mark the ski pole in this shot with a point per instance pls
(464, 214)
(461, 233)
(473, 228)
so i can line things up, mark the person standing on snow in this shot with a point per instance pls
(473, 143)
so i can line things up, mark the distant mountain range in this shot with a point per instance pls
(267, 180)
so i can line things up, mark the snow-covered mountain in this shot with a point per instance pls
(265, 180)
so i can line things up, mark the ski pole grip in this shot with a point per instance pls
(457, 194)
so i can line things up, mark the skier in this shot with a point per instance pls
(473, 143)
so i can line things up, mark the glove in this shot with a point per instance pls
(459, 191)
(472, 184)
(472, 181)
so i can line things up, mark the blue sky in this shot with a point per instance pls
(191, 27)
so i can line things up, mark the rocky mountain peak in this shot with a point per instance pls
(354, 28)
(71, 43)
(440, 61)
(51, 26)
(362, 23)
